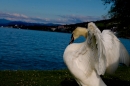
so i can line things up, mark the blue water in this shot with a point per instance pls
(35, 50)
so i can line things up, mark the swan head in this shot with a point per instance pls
(79, 31)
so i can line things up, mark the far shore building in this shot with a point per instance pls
(61, 28)
(53, 29)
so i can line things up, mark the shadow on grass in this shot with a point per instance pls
(115, 82)
(69, 82)
(108, 82)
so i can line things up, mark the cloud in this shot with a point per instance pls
(79, 19)
(62, 19)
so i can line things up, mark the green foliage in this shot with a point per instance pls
(57, 78)
(120, 12)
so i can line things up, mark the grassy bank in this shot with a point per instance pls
(57, 78)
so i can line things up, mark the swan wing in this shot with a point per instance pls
(124, 55)
(116, 52)
(95, 40)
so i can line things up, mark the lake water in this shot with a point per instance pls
(35, 50)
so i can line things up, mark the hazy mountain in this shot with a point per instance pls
(4, 21)
(8, 22)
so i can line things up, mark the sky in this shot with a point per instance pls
(53, 11)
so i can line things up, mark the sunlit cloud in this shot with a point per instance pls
(62, 19)
(79, 19)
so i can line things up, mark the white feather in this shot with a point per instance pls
(100, 53)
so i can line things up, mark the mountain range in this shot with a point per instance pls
(5, 22)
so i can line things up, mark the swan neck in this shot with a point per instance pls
(83, 32)
(85, 35)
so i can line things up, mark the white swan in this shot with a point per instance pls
(100, 53)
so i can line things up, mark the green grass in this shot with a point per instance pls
(57, 78)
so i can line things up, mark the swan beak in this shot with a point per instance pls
(72, 39)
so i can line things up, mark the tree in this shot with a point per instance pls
(120, 12)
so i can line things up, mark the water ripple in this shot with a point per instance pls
(34, 50)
